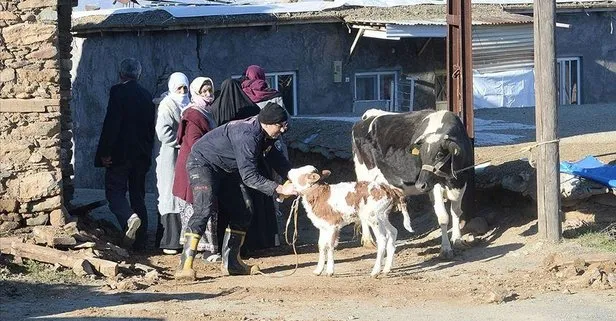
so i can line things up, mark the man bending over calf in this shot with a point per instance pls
(231, 153)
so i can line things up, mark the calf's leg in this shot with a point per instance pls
(392, 234)
(332, 240)
(322, 248)
(366, 238)
(381, 240)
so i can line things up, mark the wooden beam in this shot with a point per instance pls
(27, 105)
(360, 32)
(546, 119)
(14, 246)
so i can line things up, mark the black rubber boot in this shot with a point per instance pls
(185, 271)
(232, 263)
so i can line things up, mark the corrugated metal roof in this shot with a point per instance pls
(504, 47)
(418, 14)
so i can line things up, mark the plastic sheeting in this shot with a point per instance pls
(513, 88)
(593, 169)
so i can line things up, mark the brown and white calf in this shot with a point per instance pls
(331, 207)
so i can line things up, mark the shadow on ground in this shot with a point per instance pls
(22, 300)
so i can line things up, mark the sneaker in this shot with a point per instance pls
(213, 258)
(134, 222)
(170, 251)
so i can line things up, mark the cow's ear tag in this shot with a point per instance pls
(415, 151)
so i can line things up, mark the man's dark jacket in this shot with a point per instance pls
(128, 130)
(237, 147)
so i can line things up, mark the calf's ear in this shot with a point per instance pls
(325, 173)
(313, 178)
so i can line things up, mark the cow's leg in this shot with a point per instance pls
(366, 238)
(381, 241)
(332, 241)
(443, 220)
(323, 235)
(392, 234)
(455, 196)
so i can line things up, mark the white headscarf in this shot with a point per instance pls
(177, 80)
(197, 83)
(199, 102)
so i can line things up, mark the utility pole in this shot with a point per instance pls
(546, 121)
(460, 62)
(460, 80)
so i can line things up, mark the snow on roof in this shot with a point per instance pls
(195, 8)
(158, 19)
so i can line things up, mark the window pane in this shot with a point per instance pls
(365, 87)
(574, 82)
(387, 86)
(440, 88)
(285, 86)
(271, 82)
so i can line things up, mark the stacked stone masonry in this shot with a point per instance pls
(35, 123)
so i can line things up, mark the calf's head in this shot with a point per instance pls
(438, 155)
(305, 177)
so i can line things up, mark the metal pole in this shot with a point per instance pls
(546, 118)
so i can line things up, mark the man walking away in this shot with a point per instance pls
(125, 150)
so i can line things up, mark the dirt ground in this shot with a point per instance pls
(506, 275)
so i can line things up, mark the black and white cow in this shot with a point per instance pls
(418, 152)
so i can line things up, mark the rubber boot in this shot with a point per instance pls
(232, 263)
(185, 271)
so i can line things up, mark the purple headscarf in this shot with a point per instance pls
(255, 86)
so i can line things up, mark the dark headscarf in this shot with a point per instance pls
(255, 86)
(232, 103)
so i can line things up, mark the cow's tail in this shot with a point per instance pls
(401, 204)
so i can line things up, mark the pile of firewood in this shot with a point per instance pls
(85, 246)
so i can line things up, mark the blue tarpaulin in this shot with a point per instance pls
(593, 169)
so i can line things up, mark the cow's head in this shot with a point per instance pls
(437, 153)
(305, 177)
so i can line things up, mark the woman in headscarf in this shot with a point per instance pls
(196, 121)
(256, 88)
(263, 231)
(167, 123)
(232, 103)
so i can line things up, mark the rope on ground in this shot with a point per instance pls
(292, 215)
(521, 150)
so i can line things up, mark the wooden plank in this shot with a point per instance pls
(53, 256)
(27, 105)
(546, 118)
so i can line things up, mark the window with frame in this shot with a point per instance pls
(440, 85)
(568, 75)
(380, 88)
(286, 83)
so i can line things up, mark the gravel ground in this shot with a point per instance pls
(572, 120)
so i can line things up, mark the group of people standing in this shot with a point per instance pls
(220, 164)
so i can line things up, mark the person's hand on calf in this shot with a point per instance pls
(286, 189)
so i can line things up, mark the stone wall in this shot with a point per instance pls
(34, 117)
